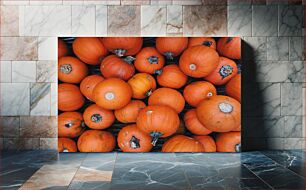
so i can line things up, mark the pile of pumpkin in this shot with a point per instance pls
(138, 87)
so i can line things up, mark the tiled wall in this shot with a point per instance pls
(273, 58)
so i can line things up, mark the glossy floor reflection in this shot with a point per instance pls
(129, 171)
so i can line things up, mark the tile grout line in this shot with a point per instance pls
(184, 173)
(76, 170)
(111, 181)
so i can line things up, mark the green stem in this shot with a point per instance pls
(155, 136)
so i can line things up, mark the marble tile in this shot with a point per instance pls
(214, 2)
(126, 22)
(15, 2)
(135, 2)
(239, 2)
(73, 2)
(100, 162)
(293, 126)
(85, 174)
(23, 71)
(48, 144)
(290, 20)
(78, 185)
(9, 21)
(101, 20)
(205, 20)
(294, 143)
(296, 50)
(268, 71)
(161, 2)
(153, 20)
(278, 48)
(256, 48)
(38, 126)
(186, 2)
(239, 20)
(46, 2)
(47, 48)
(292, 98)
(296, 71)
(174, 20)
(39, 19)
(102, 2)
(21, 143)
(264, 22)
(54, 99)
(18, 48)
(46, 71)
(6, 71)
(15, 99)
(83, 20)
(40, 100)
(9, 126)
(1, 144)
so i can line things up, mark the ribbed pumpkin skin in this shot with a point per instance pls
(173, 45)
(207, 142)
(226, 70)
(66, 145)
(233, 87)
(130, 134)
(168, 97)
(70, 97)
(219, 113)
(89, 49)
(62, 48)
(230, 47)
(142, 85)
(204, 41)
(131, 45)
(198, 61)
(226, 142)
(149, 60)
(193, 124)
(161, 119)
(129, 113)
(197, 91)
(96, 117)
(114, 67)
(96, 141)
(181, 143)
(70, 124)
(112, 93)
(71, 70)
(172, 77)
(88, 84)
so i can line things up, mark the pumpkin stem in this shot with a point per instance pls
(129, 59)
(66, 68)
(225, 107)
(225, 71)
(207, 43)
(109, 96)
(120, 52)
(192, 67)
(149, 92)
(96, 118)
(209, 94)
(158, 72)
(68, 125)
(83, 124)
(238, 147)
(169, 55)
(134, 142)
(65, 150)
(153, 60)
(155, 136)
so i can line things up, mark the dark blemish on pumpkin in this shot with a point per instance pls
(134, 142)
(96, 118)
(207, 43)
(225, 71)
(229, 39)
(68, 125)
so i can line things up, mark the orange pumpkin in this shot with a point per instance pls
(70, 97)
(230, 47)
(233, 87)
(142, 85)
(129, 113)
(71, 70)
(96, 141)
(193, 124)
(219, 113)
(168, 97)
(112, 93)
(207, 142)
(88, 84)
(181, 143)
(204, 41)
(70, 124)
(149, 60)
(171, 76)
(226, 70)
(123, 46)
(229, 142)
(158, 121)
(132, 139)
(62, 49)
(198, 61)
(114, 67)
(66, 145)
(89, 49)
(98, 118)
(237, 128)
(197, 91)
(171, 46)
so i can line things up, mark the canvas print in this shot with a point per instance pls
(150, 94)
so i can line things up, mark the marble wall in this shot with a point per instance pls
(273, 65)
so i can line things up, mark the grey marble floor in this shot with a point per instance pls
(129, 171)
